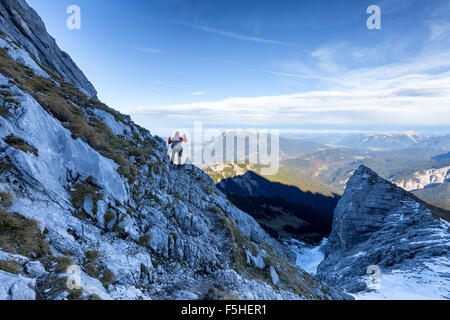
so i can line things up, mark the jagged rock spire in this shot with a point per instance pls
(378, 223)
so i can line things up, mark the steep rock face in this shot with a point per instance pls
(424, 178)
(23, 25)
(378, 223)
(436, 195)
(16, 287)
(90, 192)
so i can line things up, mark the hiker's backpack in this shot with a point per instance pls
(174, 143)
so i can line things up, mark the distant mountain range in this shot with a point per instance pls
(414, 162)
(395, 141)
(288, 147)
(412, 169)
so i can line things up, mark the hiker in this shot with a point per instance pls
(176, 146)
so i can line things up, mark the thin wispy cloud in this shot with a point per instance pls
(147, 50)
(198, 93)
(408, 93)
(298, 75)
(413, 104)
(393, 6)
(237, 36)
(440, 31)
(403, 80)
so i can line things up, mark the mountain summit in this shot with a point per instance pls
(379, 226)
(383, 140)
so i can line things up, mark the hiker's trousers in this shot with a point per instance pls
(178, 149)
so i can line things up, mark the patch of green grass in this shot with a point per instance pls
(50, 287)
(10, 266)
(62, 263)
(5, 166)
(6, 199)
(107, 278)
(20, 144)
(152, 166)
(109, 216)
(75, 294)
(6, 93)
(218, 210)
(80, 191)
(117, 229)
(239, 244)
(94, 297)
(21, 236)
(144, 240)
(96, 269)
(91, 269)
(92, 255)
(10, 100)
(136, 193)
(4, 112)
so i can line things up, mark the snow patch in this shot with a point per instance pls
(308, 257)
(404, 285)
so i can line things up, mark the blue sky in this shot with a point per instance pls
(293, 65)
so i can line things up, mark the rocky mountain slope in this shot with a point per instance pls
(425, 178)
(431, 185)
(379, 224)
(24, 26)
(438, 195)
(91, 207)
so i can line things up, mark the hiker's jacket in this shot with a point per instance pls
(175, 141)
